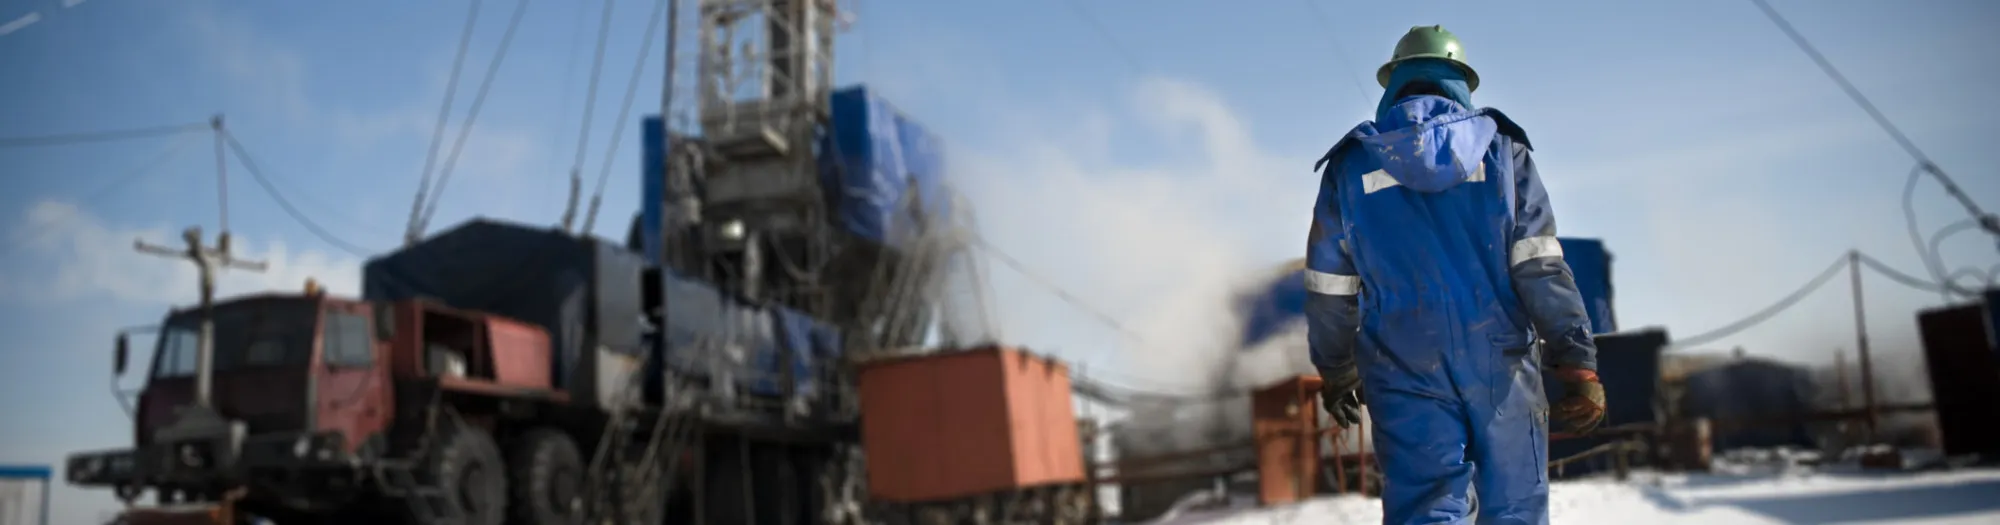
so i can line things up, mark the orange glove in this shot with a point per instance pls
(1582, 409)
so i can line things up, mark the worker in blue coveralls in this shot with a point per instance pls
(1438, 293)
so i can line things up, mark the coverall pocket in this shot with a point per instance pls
(1504, 371)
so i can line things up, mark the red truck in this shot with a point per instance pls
(339, 411)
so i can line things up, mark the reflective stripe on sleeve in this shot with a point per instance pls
(1535, 248)
(1332, 284)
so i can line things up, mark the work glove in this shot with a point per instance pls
(1340, 395)
(1582, 409)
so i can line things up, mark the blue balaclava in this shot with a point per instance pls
(1447, 77)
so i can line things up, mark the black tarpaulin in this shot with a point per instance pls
(584, 292)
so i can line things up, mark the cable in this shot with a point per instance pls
(1936, 252)
(110, 186)
(589, 111)
(99, 136)
(1900, 277)
(444, 115)
(1925, 256)
(1102, 31)
(1991, 223)
(313, 227)
(1972, 271)
(1338, 52)
(624, 110)
(1767, 313)
(472, 114)
(1060, 293)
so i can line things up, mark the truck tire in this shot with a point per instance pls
(466, 466)
(545, 471)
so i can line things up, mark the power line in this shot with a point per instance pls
(113, 185)
(625, 110)
(1990, 223)
(1338, 52)
(444, 116)
(1105, 32)
(1767, 313)
(589, 112)
(472, 114)
(1900, 277)
(1059, 292)
(250, 165)
(99, 136)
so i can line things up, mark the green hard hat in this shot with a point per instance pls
(1429, 42)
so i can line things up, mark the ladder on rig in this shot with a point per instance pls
(623, 485)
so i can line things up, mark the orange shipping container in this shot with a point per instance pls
(966, 423)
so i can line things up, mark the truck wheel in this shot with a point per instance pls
(466, 467)
(546, 473)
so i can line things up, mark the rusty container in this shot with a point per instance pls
(1285, 423)
(965, 423)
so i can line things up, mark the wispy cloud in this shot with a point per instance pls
(18, 23)
(87, 259)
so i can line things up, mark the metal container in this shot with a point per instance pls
(1285, 422)
(1628, 364)
(1756, 403)
(967, 423)
(1959, 346)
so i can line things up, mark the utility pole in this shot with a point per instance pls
(208, 261)
(221, 172)
(1861, 343)
(1840, 377)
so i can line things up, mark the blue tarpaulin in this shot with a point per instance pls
(870, 159)
(1591, 265)
(703, 325)
(877, 162)
(1280, 302)
(652, 186)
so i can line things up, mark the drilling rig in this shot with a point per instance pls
(702, 371)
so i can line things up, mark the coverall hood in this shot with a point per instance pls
(1433, 143)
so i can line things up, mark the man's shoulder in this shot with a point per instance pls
(1508, 128)
(1346, 142)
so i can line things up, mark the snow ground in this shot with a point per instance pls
(1739, 496)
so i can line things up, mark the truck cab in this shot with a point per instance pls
(310, 396)
(297, 383)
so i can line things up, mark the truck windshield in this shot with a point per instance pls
(258, 333)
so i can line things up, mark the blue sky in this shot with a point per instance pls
(1148, 167)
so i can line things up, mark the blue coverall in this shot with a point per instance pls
(1433, 265)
